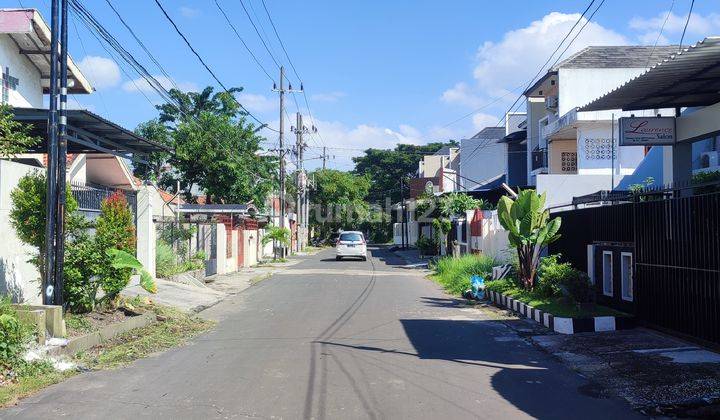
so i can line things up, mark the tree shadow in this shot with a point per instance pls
(9, 281)
(444, 302)
(528, 379)
(382, 253)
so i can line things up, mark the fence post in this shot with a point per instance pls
(145, 229)
(221, 248)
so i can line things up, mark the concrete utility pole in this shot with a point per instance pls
(324, 156)
(48, 288)
(300, 183)
(281, 90)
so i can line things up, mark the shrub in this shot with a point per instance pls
(502, 285)
(83, 262)
(14, 334)
(577, 287)
(551, 275)
(164, 259)
(27, 215)
(114, 229)
(427, 246)
(454, 273)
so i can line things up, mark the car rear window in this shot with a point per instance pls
(355, 237)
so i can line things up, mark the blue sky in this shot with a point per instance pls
(375, 72)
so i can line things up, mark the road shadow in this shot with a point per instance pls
(382, 253)
(444, 302)
(528, 379)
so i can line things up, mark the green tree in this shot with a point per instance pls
(278, 235)
(338, 201)
(153, 170)
(529, 230)
(15, 137)
(114, 229)
(28, 217)
(216, 150)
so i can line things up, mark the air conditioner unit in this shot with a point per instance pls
(551, 102)
(710, 159)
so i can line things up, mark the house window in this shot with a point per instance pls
(627, 276)
(568, 162)
(607, 272)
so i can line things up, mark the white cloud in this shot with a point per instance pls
(699, 26)
(481, 121)
(327, 97)
(504, 67)
(102, 72)
(142, 85)
(189, 12)
(257, 103)
(511, 62)
(461, 94)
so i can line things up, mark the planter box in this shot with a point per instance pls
(90, 340)
(560, 324)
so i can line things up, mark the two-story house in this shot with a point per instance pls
(571, 153)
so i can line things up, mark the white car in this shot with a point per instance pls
(351, 244)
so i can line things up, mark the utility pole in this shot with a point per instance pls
(300, 183)
(402, 214)
(324, 157)
(62, 160)
(281, 90)
(48, 289)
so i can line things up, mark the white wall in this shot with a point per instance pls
(561, 189)
(494, 239)
(28, 93)
(482, 165)
(18, 277)
(627, 158)
(579, 87)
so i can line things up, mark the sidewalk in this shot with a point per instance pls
(412, 258)
(190, 298)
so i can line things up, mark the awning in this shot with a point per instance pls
(686, 79)
(32, 36)
(90, 133)
(248, 209)
(516, 137)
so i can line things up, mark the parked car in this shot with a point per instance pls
(351, 244)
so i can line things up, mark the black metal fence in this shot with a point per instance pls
(674, 236)
(90, 196)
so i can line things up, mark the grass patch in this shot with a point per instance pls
(454, 273)
(28, 384)
(173, 328)
(77, 323)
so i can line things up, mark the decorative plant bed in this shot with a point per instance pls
(563, 325)
(92, 339)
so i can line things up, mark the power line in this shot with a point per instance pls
(692, 4)
(662, 28)
(277, 64)
(254, 57)
(212, 73)
(267, 12)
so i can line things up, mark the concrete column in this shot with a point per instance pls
(145, 229)
(221, 249)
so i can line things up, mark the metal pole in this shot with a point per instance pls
(402, 215)
(282, 157)
(300, 188)
(612, 151)
(51, 195)
(62, 159)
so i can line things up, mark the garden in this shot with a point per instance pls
(543, 282)
(99, 263)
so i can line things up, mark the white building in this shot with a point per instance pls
(573, 153)
(482, 158)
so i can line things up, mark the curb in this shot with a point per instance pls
(90, 340)
(562, 325)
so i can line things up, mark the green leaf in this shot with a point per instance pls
(147, 282)
(123, 259)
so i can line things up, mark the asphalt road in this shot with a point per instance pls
(336, 340)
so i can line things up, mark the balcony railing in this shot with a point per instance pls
(553, 127)
(539, 159)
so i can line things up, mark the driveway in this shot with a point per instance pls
(337, 340)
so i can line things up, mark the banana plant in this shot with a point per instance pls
(122, 259)
(529, 230)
